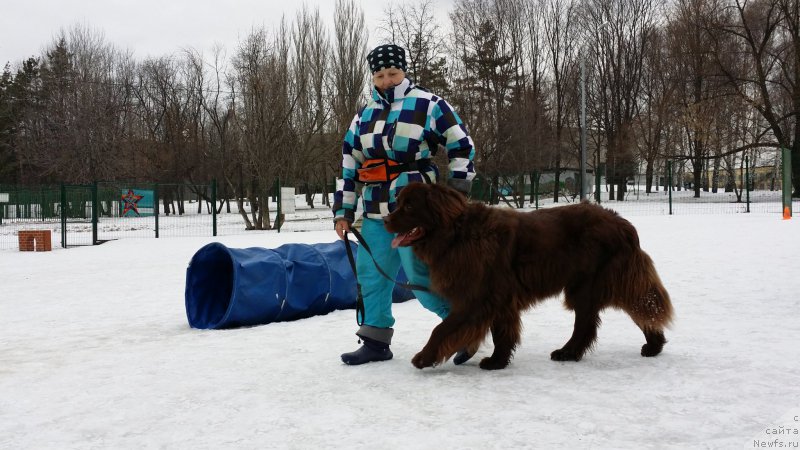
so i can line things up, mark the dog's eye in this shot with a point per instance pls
(408, 207)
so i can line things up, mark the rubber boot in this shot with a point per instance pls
(376, 346)
(371, 351)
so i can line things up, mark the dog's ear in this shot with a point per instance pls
(448, 202)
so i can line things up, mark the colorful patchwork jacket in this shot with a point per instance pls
(401, 126)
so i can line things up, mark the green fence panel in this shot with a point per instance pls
(109, 210)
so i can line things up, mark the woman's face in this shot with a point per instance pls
(387, 78)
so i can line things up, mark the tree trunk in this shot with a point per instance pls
(495, 198)
(715, 176)
(325, 199)
(181, 204)
(697, 176)
(622, 188)
(248, 225)
(309, 196)
(557, 180)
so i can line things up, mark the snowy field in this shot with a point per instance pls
(96, 353)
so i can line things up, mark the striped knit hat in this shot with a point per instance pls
(387, 56)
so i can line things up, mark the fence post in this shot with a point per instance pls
(95, 218)
(214, 204)
(669, 180)
(156, 206)
(787, 183)
(63, 216)
(747, 180)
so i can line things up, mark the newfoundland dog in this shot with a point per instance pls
(493, 263)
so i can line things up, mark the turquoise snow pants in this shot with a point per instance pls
(377, 290)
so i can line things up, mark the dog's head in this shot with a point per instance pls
(423, 209)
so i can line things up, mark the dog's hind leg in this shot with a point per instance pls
(506, 335)
(647, 302)
(655, 341)
(648, 314)
(587, 320)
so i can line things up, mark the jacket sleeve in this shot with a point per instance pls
(460, 148)
(345, 200)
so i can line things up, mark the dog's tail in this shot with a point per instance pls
(644, 298)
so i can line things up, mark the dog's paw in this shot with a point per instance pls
(651, 349)
(489, 363)
(422, 360)
(563, 354)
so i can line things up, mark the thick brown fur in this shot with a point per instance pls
(493, 263)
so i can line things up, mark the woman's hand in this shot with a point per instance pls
(342, 226)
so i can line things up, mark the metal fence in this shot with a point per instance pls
(754, 191)
(92, 214)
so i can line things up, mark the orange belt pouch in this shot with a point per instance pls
(377, 171)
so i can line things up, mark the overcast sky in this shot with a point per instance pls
(155, 28)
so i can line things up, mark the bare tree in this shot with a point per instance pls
(265, 109)
(769, 34)
(310, 74)
(349, 63)
(620, 32)
(169, 107)
(561, 36)
(194, 129)
(348, 80)
(76, 128)
(156, 79)
(526, 129)
(485, 75)
(655, 124)
(219, 106)
(414, 27)
(700, 93)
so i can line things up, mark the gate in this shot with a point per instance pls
(78, 215)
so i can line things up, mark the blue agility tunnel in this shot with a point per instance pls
(227, 287)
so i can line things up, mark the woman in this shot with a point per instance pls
(389, 145)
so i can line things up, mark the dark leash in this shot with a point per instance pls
(360, 311)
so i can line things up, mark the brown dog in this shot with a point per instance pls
(493, 263)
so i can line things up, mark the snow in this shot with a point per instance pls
(96, 352)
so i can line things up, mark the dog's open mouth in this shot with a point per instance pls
(407, 238)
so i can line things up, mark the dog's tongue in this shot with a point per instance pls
(400, 240)
(407, 238)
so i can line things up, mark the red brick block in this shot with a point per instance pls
(35, 240)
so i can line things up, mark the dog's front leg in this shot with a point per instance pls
(441, 345)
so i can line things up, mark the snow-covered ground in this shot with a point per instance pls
(96, 352)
